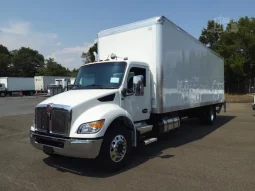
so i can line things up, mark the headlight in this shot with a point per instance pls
(92, 127)
(33, 126)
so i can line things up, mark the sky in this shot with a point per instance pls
(63, 29)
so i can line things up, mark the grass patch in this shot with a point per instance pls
(239, 98)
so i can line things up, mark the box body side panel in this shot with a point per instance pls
(192, 75)
(19, 84)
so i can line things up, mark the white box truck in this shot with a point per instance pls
(149, 75)
(42, 82)
(72, 81)
(60, 85)
(12, 85)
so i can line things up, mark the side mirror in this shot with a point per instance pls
(124, 92)
(135, 86)
(138, 85)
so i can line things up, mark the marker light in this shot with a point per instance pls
(113, 56)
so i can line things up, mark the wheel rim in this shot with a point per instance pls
(2, 94)
(118, 148)
(212, 116)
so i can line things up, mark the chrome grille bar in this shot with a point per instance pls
(56, 120)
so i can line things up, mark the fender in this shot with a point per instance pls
(109, 112)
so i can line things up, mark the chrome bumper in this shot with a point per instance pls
(80, 148)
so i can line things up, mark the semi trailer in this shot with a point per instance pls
(42, 82)
(149, 75)
(14, 85)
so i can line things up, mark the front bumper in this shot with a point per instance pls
(80, 148)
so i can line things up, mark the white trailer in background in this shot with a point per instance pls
(42, 82)
(12, 85)
(149, 75)
(60, 85)
(72, 81)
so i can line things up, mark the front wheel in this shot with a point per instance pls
(115, 149)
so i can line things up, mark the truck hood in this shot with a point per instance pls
(77, 97)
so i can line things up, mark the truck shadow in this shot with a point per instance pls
(190, 131)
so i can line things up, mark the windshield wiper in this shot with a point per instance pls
(110, 87)
(94, 85)
(77, 86)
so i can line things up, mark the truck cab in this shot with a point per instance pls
(107, 100)
(2, 90)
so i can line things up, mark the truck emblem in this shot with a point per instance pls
(49, 108)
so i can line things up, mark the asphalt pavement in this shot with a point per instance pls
(218, 157)
(10, 106)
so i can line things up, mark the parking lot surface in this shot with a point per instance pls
(218, 157)
(10, 106)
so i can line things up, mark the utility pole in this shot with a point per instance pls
(251, 65)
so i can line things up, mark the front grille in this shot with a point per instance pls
(57, 122)
(41, 119)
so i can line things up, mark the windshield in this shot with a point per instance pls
(105, 75)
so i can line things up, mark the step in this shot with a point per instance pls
(144, 129)
(150, 140)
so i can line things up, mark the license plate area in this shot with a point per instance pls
(49, 142)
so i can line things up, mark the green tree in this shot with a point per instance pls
(5, 61)
(4, 50)
(52, 68)
(211, 35)
(236, 44)
(89, 56)
(26, 62)
(74, 72)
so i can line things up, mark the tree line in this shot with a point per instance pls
(236, 44)
(26, 62)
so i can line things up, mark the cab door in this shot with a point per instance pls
(137, 100)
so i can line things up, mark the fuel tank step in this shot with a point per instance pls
(150, 140)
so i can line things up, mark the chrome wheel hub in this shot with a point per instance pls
(118, 148)
(212, 116)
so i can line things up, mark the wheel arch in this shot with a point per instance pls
(127, 123)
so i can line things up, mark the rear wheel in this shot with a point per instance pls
(208, 115)
(2, 94)
(115, 149)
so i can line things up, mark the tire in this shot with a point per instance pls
(119, 137)
(208, 115)
(2, 94)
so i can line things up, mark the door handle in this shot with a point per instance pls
(145, 110)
